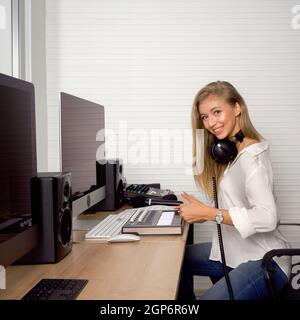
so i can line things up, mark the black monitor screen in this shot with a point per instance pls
(81, 121)
(17, 155)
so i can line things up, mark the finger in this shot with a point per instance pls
(189, 197)
(177, 209)
(185, 197)
(183, 206)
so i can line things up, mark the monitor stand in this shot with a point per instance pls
(87, 201)
(84, 224)
(84, 203)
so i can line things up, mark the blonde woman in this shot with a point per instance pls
(245, 197)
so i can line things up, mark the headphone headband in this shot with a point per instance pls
(239, 136)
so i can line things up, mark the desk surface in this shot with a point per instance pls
(148, 269)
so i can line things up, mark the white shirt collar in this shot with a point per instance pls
(254, 149)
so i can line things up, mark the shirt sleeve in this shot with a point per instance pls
(261, 215)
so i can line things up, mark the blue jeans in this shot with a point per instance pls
(248, 280)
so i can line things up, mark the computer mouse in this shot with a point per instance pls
(124, 237)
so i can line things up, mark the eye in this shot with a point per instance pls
(203, 118)
(216, 112)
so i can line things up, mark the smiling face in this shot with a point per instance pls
(219, 117)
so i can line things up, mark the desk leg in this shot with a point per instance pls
(186, 280)
(190, 236)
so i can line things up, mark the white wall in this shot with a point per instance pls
(5, 37)
(145, 60)
(37, 51)
(32, 44)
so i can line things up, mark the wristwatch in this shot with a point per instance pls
(219, 216)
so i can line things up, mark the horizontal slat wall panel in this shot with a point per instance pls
(145, 60)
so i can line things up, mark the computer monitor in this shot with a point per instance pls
(18, 233)
(81, 121)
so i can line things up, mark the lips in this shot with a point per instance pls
(218, 131)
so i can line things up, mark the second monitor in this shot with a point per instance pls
(81, 121)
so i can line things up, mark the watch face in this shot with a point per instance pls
(219, 218)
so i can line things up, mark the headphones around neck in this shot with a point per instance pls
(225, 150)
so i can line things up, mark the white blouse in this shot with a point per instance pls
(246, 191)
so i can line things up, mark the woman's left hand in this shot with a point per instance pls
(194, 210)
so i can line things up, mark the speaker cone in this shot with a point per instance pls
(65, 227)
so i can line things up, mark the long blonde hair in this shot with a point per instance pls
(228, 92)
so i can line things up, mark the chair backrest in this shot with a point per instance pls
(292, 290)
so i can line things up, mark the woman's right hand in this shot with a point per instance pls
(194, 210)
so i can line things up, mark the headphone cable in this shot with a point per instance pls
(230, 291)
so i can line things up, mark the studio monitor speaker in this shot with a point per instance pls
(110, 174)
(51, 205)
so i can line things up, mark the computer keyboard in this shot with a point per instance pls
(56, 289)
(112, 224)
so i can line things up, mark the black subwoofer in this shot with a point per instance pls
(51, 205)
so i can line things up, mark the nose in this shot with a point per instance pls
(211, 122)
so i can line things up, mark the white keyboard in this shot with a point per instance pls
(112, 224)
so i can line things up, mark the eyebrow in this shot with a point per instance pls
(212, 109)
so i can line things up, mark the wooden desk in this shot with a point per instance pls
(146, 269)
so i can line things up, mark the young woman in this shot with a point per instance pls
(245, 196)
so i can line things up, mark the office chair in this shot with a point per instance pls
(292, 289)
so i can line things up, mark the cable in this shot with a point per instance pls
(230, 291)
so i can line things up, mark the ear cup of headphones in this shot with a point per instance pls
(170, 197)
(223, 151)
